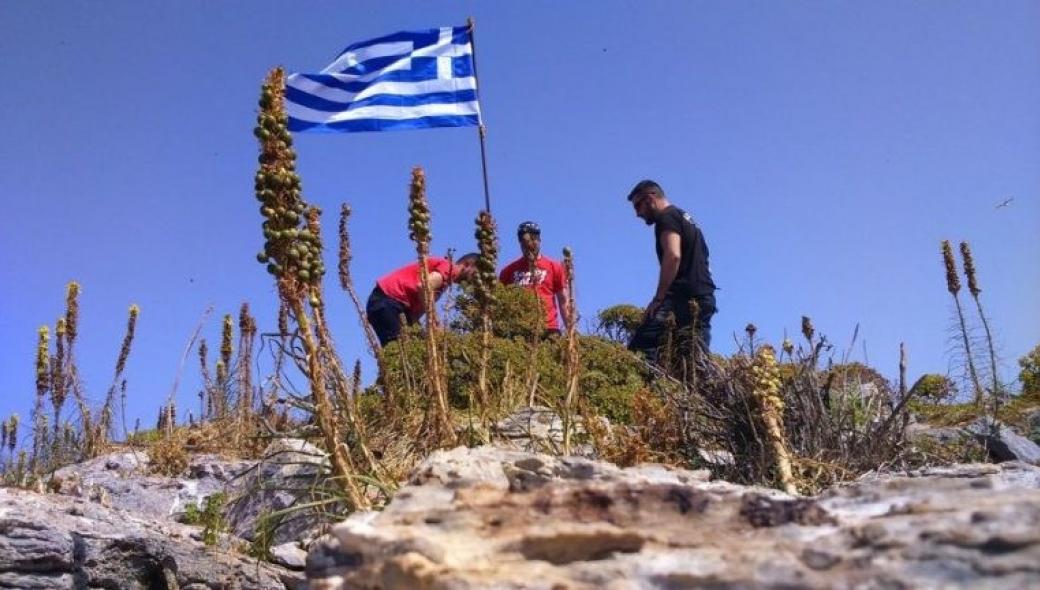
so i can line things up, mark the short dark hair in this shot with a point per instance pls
(643, 186)
(472, 257)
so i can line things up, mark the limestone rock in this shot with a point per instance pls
(289, 555)
(488, 518)
(54, 542)
(121, 480)
(1004, 444)
(281, 480)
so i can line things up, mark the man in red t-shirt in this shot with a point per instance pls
(548, 280)
(400, 293)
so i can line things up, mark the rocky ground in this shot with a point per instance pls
(488, 518)
(509, 518)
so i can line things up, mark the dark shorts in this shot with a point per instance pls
(650, 335)
(384, 314)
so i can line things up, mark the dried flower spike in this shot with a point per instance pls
(807, 328)
(72, 311)
(953, 282)
(969, 269)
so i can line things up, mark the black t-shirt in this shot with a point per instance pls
(694, 275)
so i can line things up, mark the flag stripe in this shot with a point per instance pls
(385, 125)
(316, 103)
(392, 113)
(407, 80)
(399, 88)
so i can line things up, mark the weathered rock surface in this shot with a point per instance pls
(282, 480)
(53, 542)
(492, 519)
(121, 480)
(535, 429)
(1003, 443)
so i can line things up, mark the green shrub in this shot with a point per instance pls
(212, 518)
(933, 387)
(516, 313)
(609, 376)
(617, 323)
(1030, 373)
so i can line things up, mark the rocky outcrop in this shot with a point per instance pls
(121, 479)
(493, 519)
(284, 477)
(1003, 443)
(282, 480)
(54, 542)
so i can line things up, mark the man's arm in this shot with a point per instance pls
(436, 282)
(671, 253)
(563, 298)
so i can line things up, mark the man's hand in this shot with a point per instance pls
(651, 308)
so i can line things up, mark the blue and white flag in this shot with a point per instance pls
(407, 80)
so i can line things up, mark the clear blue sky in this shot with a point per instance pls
(824, 147)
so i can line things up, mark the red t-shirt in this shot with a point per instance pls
(549, 280)
(404, 284)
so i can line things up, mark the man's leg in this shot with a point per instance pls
(384, 314)
(706, 307)
(649, 335)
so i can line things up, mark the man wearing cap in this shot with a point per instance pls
(547, 278)
(400, 293)
(684, 275)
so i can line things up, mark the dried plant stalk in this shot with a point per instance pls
(484, 290)
(573, 358)
(953, 285)
(419, 232)
(293, 255)
(767, 386)
(973, 288)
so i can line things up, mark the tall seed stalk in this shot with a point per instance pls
(293, 256)
(695, 345)
(97, 439)
(346, 282)
(973, 288)
(953, 285)
(42, 387)
(58, 382)
(246, 338)
(419, 232)
(71, 380)
(332, 360)
(573, 357)
(484, 289)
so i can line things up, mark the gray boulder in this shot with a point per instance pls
(1004, 444)
(57, 542)
(281, 481)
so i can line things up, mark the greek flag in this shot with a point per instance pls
(407, 80)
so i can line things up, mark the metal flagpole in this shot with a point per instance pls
(481, 130)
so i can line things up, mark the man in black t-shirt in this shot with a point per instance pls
(684, 272)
